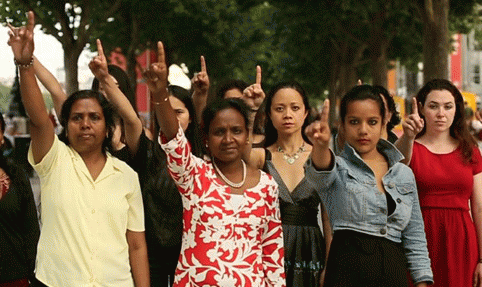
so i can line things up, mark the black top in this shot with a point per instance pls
(162, 205)
(19, 228)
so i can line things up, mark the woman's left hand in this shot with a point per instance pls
(478, 275)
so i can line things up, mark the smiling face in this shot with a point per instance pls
(287, 111)
(228, 135)
(363, 126)
(439, 111)
(86, 128)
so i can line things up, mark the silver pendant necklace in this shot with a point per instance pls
(230, 183)
(291, 159)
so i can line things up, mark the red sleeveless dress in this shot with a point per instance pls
(445, 185)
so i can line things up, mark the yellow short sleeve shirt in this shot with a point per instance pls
(84, 222)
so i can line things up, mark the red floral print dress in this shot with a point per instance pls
(223, 246)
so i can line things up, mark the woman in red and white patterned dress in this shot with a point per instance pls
(232, 229)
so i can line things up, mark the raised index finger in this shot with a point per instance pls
(258, 75)
(414, 106)
(325, 112)
(100, 49)
(203, 65)
(160, 53)
(31, 21)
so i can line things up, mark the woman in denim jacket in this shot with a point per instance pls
(371, 198)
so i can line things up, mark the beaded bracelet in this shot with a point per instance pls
(23, 66)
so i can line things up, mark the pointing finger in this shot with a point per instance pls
(325, 111)
(31, 21)
(258, 75)
(100, 49)
(160, 53)
(414, 106)
(203, 65)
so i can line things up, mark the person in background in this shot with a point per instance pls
(162, 201)
(92, 214)
(371, 198)
(232, 231)
(392, 117)
(447, 165)
(19, 227)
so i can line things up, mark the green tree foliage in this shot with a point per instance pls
(70, 22)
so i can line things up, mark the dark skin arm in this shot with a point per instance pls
(156, 79)
(41, 128)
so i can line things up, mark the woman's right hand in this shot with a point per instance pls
(98, 65)
(156, 74)
(414, 123)
(319, 132)
(21, 41)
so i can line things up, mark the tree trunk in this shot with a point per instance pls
(435, 39)
(378, 59)
(71, 59)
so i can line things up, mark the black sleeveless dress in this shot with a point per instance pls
(304, 244)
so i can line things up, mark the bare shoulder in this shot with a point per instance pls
(256, 158)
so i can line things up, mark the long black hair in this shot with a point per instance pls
(271, 134)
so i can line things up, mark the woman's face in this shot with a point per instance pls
(439, 111)
(86, 129)
(182, 112)
(363, 126)
(287, 111)
(228, 135)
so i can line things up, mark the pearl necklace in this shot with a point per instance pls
(230, 183)
(291, 159)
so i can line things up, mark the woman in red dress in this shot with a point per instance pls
(447, 165)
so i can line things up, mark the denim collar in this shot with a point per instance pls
(392, 154)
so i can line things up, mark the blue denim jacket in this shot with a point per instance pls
(350, 193)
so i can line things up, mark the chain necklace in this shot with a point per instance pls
(291, 159)
(230, 183)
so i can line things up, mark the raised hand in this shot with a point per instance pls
(200, 81)
(98, 65)
(156, 74)
(319, 132)
(413, 124)
(21, 41)
(254, 94)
